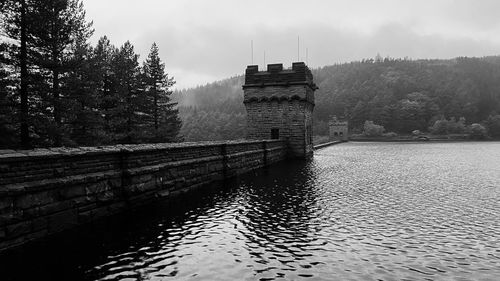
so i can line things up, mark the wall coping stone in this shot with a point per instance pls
(44, 153)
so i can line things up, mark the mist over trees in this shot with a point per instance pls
(213, 112)
(399, 94)
(56, 89)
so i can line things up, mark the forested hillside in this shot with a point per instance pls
(402, 95)
(212, 112)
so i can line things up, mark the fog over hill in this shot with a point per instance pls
(199, 49)
(402, 95)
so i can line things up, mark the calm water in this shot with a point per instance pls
(357, 211)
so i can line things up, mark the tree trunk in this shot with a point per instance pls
(83, 134)
(25, 138)
(129, 114)
(156, 113)
(57, 107)
(55, 93)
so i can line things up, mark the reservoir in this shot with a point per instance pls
(355, 211)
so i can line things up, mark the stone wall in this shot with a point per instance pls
(288, 116)
(44, 191)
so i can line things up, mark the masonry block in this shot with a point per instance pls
(62, 220)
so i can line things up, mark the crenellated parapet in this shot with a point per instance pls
(275, 75)
(276, 83)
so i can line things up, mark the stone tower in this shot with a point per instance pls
(338, 129)
(279, 104)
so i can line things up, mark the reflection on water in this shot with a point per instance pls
(357, 211)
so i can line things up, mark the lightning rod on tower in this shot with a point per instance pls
(298, 48)
(251, 48)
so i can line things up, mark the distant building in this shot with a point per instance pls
(279, 104)
(339, 130)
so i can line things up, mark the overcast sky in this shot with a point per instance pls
(202, 41)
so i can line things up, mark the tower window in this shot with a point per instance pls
(275, 134)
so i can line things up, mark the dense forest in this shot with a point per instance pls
(56, 89)
(212, 112)
(441, 96)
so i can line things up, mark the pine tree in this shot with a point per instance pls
(127, 78)
(103, 56)
(165, 120)
(17, 25)
(82, 88)
(59, 23)
(7, 113)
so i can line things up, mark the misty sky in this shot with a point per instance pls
(203, 41)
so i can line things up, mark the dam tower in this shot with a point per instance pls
(279, 104)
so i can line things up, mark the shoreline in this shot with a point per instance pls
(422, 141)
(399, 140)
(430, 139)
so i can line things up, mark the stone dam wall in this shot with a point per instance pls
(45, 191)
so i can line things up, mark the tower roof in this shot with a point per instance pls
(275, 75)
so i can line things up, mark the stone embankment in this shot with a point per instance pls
(45, 191)
(325, 144)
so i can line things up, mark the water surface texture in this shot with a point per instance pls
(356, 211)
